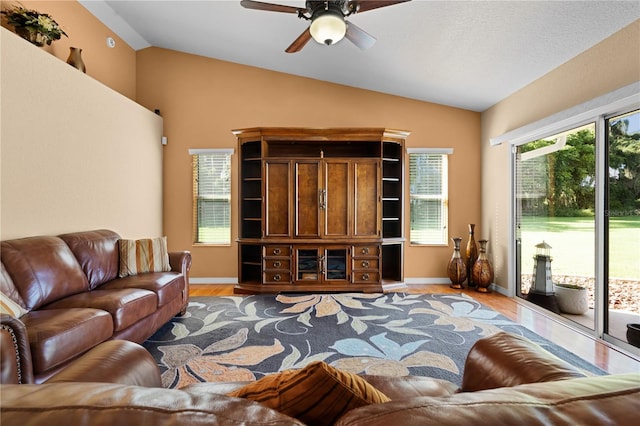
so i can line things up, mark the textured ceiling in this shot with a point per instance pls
(467, 54)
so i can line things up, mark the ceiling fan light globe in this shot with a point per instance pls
(328, 28)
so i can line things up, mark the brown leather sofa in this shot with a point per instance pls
(507, 380)
(75, 300)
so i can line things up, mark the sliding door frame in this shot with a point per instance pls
(595, 111)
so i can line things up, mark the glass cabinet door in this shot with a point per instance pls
(308, 265)
(319, 264)
(336, 264)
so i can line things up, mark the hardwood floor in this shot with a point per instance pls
(599, 353)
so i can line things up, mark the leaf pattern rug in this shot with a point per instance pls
(240, 338)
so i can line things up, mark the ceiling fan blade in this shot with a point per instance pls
(359, 37)
(299, 43)
(258, 5)
(375, 4)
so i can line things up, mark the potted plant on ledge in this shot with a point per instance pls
(572, 299)
(36, 27)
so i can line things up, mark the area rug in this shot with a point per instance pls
(237, 338)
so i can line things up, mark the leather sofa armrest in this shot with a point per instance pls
(180, 261)
(505, 359)
(15, 353)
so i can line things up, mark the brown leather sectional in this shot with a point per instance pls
(75, 300)
(507, 380)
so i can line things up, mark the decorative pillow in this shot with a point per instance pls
(9, 307)
(144, 255)
(318, 394)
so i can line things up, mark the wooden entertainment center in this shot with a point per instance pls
(320, 210)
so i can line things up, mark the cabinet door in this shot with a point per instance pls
(366, 216)
(336, 205)
(308, 197)
(278, 196)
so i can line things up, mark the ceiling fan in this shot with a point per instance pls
(328, 20)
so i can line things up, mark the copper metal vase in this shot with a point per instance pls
(456, 270)
(482, 269)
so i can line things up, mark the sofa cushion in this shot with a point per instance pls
(59, 335)
(167, 285)
(403, 387)
(97, 253)
(318, 394)
(43, 269)
(114, 361)
(9, 307)
(126, 306)
(144, 255)
(602, 400)
(113, 404)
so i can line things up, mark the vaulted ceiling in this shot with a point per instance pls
(467, 54)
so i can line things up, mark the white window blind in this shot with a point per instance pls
(211, 195)
(428, 192)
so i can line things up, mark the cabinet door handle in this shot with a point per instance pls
(276, 251)
(277, 264)
(365, 277)
(365, 263)
(322, 199)
(322, 267)
(365, 250)
(277, 277)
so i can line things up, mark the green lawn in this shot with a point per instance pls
(573, 245)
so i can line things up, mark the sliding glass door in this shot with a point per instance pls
(555, 205)
(577, 201)
(622, 224)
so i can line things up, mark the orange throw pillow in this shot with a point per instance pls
(318, 394)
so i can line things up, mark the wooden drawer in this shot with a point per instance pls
(366, 277)
(276, 277)
(366, 251)
(277, 251)
(365, 264)
(275, 263)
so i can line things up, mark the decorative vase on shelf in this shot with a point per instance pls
(472, 254)
(456, 270)
(482, 269)
(75, 59)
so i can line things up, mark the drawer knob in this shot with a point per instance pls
(365, 250)
(276, 251)
(277, 264)
(277, 277)
(365, 277)
(365, 263)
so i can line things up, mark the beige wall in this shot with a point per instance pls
(115, 67)
(202, 100)
(611, 64)
(74, 154)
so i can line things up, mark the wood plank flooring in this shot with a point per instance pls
(598, 352)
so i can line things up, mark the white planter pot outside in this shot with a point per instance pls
(572, 300)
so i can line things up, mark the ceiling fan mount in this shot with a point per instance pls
(328, 20)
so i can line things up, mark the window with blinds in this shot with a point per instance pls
(428, 196)
(211, 196)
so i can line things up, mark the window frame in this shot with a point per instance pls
(194, 153)
(443, 197)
